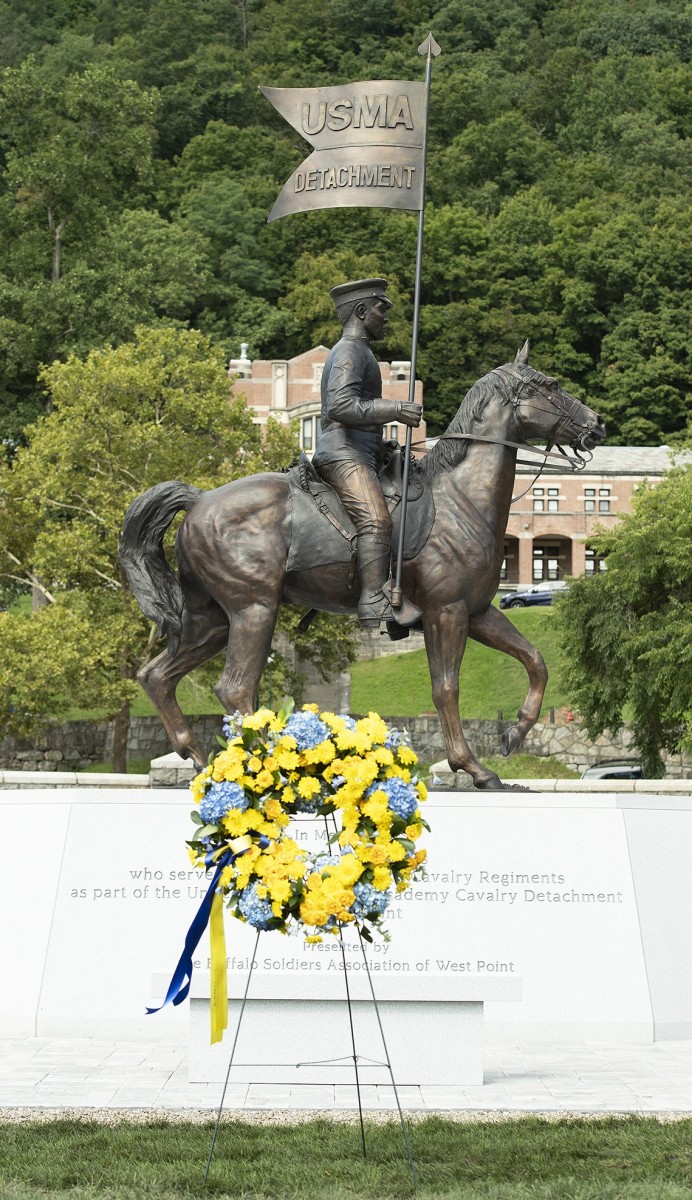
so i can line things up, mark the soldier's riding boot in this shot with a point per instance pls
(374, 605)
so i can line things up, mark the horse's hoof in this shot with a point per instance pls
(511, 740)
(491, 783)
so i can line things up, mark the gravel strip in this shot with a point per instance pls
(145, 1116)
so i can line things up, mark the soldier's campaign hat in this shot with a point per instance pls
(360, 289)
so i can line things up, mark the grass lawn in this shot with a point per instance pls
(399, 686)
(526, 1159)
(518, 1159)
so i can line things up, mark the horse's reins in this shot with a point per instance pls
(575, 464)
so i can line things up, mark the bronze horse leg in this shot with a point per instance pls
(445, 641)
(249, 646)
(204, 634)
(492, 628)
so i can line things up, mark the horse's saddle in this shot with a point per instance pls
(321, 530)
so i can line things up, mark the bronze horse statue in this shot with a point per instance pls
(237, 563)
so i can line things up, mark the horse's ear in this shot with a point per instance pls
(522, 355)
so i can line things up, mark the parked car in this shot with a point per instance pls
(626, 768)
(538, 593)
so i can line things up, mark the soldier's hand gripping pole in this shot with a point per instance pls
(431, 49)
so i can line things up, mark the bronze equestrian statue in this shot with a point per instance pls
(349, 452)
(250, 545)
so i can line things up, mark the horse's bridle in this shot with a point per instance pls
(582, 455)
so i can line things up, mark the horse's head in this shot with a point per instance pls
(545, 410)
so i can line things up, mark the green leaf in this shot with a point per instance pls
(195, 817)
(223, 742)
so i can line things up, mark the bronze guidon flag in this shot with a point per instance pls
(367, 143)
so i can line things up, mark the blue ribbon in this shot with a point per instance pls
(179, 987)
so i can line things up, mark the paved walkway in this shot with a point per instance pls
(85, 1073)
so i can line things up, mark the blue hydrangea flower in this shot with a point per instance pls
(325, 860)
(233, 724)
(403, 799)
(220, 799)
(257, 910)
(349, 722)
(369, 900)
(307, 728)
(306, 806)
(396, 738)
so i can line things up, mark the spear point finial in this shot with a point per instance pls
(429, 47)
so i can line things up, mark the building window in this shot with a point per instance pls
(546, 563)
(553, 499)
(504, 573)
(394, 433)
(604, 500)
(589, 500)
(538, 501)
(309, 432)
(594, 565)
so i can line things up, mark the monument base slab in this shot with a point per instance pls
(297, 1030)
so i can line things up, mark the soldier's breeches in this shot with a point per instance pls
(358, 488)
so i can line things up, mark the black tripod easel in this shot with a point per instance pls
(354, 1054)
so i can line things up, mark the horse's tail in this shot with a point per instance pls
(155, 585)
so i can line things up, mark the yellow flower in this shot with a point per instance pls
(353, 739)
(257, 719)
(373, 727)
(406, 755)
(272, 808)
(349, 869)
(270, 764)
(262, 890)
(313, 937)
(313, 708)
(414, 831)
(288, 795)
(264, 780)
(324, 753)
(236, 822)
(254, 764)
(384, 756)
(422, 790)
(286, 760)
(381, 878)
(308, 787)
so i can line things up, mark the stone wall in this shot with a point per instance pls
(78, 744)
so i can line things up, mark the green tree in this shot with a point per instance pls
(626, 634)
(122, 420)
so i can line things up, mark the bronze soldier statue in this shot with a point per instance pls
(350, 448)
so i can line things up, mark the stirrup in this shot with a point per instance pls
(372, 613)
(407, 613)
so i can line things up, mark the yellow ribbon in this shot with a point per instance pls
(219, 979)
(218, 1004)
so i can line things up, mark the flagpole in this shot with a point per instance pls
(431, 49)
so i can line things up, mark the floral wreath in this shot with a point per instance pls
(273, 766)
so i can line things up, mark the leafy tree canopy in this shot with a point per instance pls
(626, 634)
(138, 162)
(153, 409)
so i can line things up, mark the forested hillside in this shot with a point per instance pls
(139, 163)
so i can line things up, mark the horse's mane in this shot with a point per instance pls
(449, 452)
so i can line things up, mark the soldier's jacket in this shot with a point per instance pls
(351, 380)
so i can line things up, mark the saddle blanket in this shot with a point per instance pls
(318, 540)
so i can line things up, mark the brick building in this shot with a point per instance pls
(547, 529)
(290, 390)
